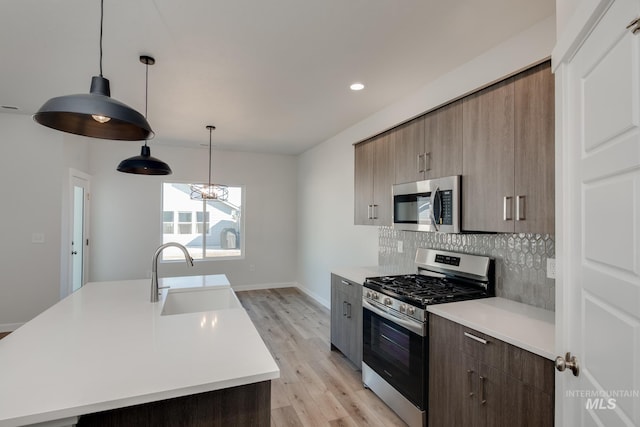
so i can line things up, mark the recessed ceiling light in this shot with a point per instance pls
(356, 86)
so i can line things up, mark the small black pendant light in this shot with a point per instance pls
(144, 164)
(95, 114)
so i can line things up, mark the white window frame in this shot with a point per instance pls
(204, 235)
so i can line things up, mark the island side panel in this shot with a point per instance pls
(248, 405)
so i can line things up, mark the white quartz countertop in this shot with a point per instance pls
(522, 325)
(106, 346)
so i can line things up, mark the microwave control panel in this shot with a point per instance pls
(446, 216)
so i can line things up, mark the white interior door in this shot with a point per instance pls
(79, 242)
(598, 304)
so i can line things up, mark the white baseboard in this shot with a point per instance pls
(315, 296)
(9, 327)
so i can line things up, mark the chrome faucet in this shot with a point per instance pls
(155, 291)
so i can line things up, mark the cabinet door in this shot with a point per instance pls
(408, 141)
(383, 177)
(354, 320)
(525, 405)
(487, 183)
(447, 391)
(443, 141)
(534, 151)
(339, 338)
(363, 182)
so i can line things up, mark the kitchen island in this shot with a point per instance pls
(106, 347)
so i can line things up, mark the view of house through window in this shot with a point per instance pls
(209, 229)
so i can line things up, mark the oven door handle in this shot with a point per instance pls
(413, 326)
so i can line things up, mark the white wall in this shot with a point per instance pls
(34, 164)
(327, 237)
(126, 213)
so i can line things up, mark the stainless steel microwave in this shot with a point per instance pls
(431, 205)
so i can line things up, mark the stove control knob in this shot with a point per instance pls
(375, 295)
(403, 308)
(368, 294)
(387, 301)
(411, 310)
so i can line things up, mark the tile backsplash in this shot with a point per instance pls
(521, 259)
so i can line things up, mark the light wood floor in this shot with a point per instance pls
(317, 386)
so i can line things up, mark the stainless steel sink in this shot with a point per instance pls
(193, 300)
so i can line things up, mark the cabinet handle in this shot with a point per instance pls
(427, 156)
(344, 308)
(344, 282)
(419, 165)
(482, 396)
(374, 210)
(475, 338)
(469, 375)
(635, 22)
(348, 310)
(506, 207)
(520, 211)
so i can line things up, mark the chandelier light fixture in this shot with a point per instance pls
(209, 191)
(145, 164)
(95, 114)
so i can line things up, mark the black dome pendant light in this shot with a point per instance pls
(95, 114)
(144, 164)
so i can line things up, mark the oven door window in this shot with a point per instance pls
(412, 208)
(397, 355)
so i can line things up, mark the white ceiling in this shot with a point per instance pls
(273, 76)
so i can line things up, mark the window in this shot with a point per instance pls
(167, 222)
(184, 223)
(209, 229)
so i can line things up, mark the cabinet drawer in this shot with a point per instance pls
(353, 290)
(485, 348)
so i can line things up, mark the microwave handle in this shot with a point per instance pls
(436, 203)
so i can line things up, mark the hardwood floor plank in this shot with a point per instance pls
(285, 417)
(317, 386)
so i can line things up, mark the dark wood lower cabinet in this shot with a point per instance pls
(247, 405)
(476, 380)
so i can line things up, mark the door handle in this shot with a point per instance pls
(483, 400)
(506, 207)
(419, 163)
(570, 362)
(520, 211)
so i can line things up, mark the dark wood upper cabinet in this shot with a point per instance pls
(500, 139)
(374, 173)
(430, 146)
(535, 151)
(508, 155)
(443, 141)
(487, 180)
(408, 140)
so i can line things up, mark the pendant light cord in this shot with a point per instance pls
(210, 131)
(101, 20)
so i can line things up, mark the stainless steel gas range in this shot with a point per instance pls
(395, 331)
